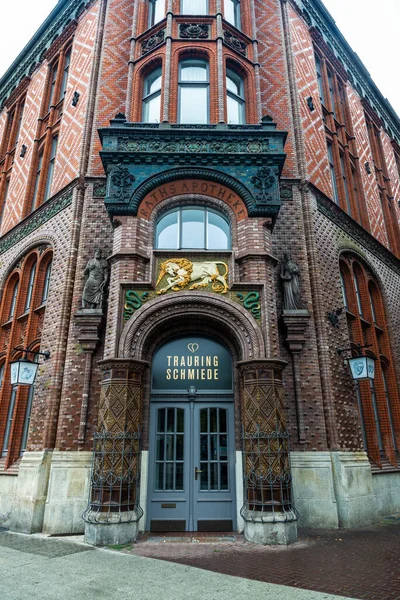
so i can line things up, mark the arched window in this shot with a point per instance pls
(13, 303)
(156, 11)
(194, 7)
(193, 228)
(30, 287)
(378, 401)
(235, 105)
(46, 284)
(151, 105)
(193, 91)
(232, 12)
(21, 322)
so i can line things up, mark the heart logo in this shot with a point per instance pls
(193, 347)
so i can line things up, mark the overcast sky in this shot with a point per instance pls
(372, 29)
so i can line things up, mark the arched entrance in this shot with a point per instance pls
(191, 484)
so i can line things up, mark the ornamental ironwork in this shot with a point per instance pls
(194, 30)
(153, 41)
(234, 42)
(115, 479)
(267, 475)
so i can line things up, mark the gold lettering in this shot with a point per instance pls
(189, 361)
(183, 374)
(183, 361)
(215, 373)
(176, 361)
(215, 361)
(209, 374)
(190, 373)
(208, 361)
(175, 374)
(196, 361)
(168, 374)
(203, 373)
(169, 360)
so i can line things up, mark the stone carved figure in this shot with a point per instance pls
(290, 276)
(96, 272)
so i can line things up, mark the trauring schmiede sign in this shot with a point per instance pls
(192, 361)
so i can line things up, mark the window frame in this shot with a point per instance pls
(182, 11)
(147, 97)
(236, 11)
(194, 85)
(179, 237)
(239, 98)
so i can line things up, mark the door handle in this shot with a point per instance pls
(196, 472)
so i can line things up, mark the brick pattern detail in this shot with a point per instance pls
(112, 90)
(331, 242)
(69, 151)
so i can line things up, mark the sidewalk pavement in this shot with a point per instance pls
(40, 568)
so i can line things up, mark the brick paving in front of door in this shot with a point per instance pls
(360, 563)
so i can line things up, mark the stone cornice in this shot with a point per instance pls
(35, 51)
(316, 15)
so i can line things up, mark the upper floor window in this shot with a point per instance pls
(156, 11)
(194, 7)
(232, 12)
(67, 61)
(193, 91)
(151, 105)
(235, 98)
(193, 228)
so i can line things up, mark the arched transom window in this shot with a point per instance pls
(193, 228)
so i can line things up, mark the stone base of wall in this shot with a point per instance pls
(68, 492)
(387, 493)
(8, 487)
(31, 492)
(333, 489)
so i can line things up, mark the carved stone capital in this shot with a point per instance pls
(267, 368)
(296, 323)
(89, 321)
(122, 368)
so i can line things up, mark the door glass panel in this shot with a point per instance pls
(213, 449)
(213, 419)
(169, 449)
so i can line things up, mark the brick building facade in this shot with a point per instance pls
(217, 152)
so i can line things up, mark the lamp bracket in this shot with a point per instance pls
(356, 348)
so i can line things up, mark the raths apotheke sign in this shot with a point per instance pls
(192, 361)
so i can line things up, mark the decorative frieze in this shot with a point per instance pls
(235, 43)
(195, 146)
(194, 30)
(153, 41)
(44, 214)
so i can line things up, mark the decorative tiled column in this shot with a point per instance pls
(113, 511)
(268, 511)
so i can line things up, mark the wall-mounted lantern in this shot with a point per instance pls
(361, 367)
(23, 370)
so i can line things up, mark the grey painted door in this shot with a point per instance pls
(191, 467)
